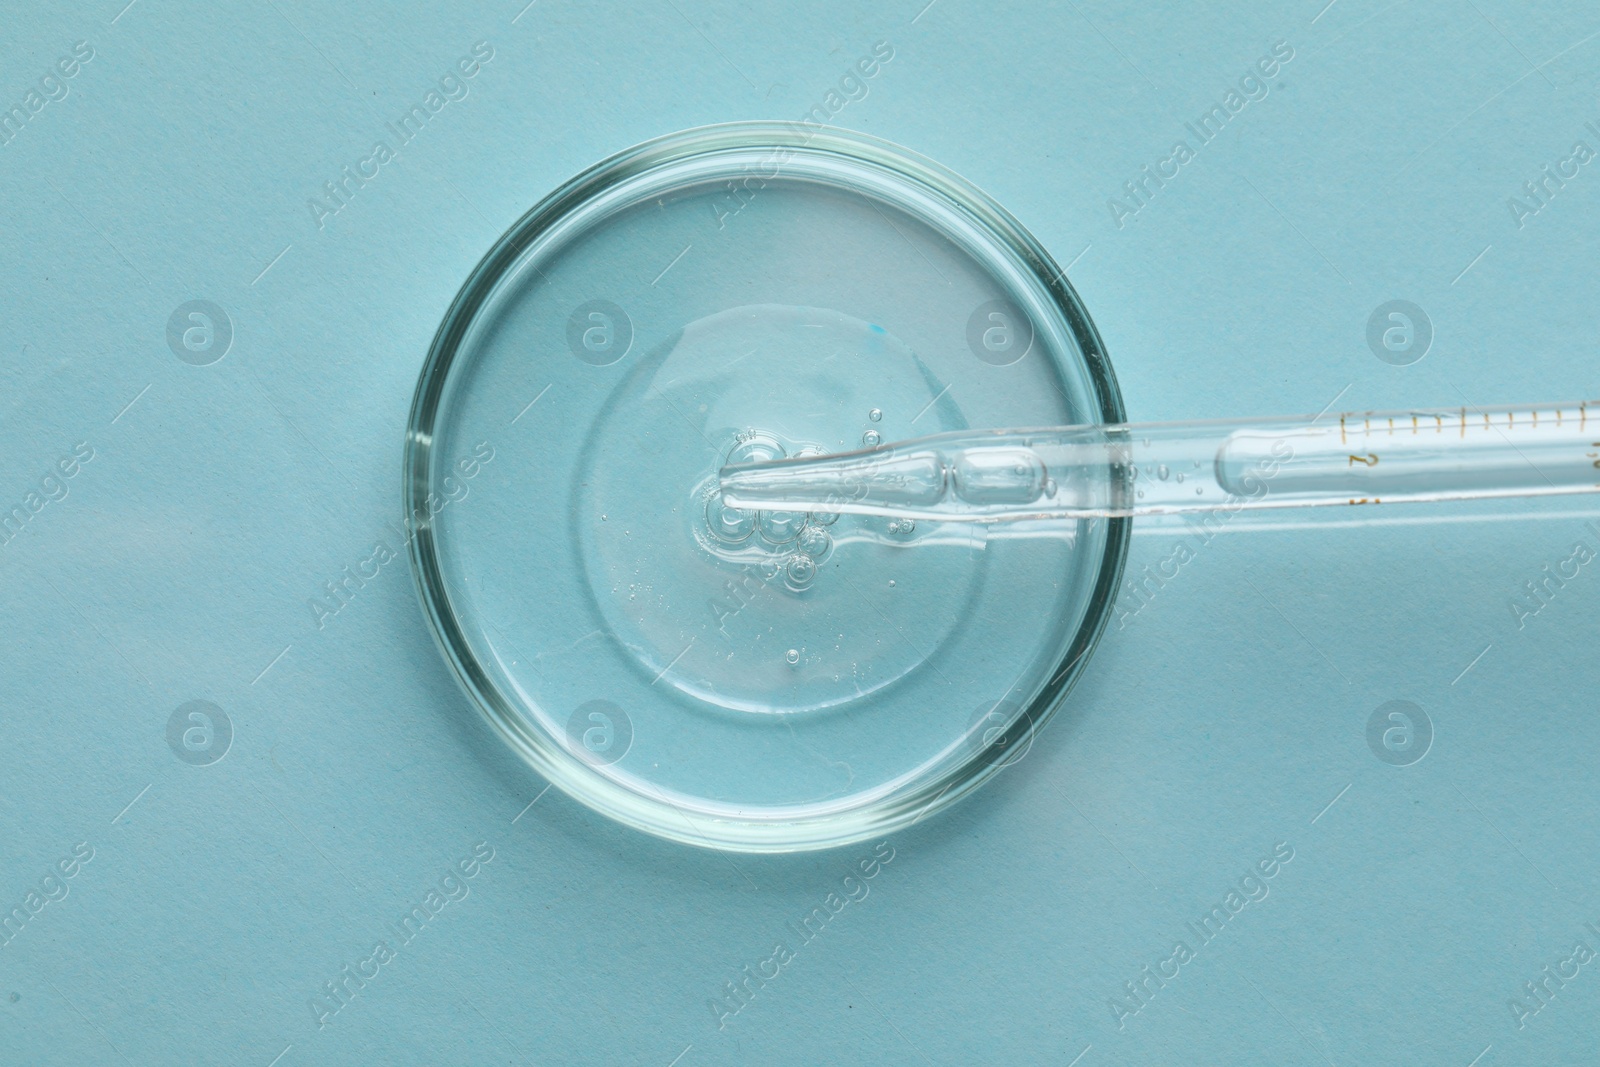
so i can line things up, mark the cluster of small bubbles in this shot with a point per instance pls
(876, 414)
(872, 439)
(793, 656)
(780, 527)
(799, 572)
(902, 526)
(796, 541)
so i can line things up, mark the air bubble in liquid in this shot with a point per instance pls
(799, 572)
(872, 439)
(1162, 472)
(729, 525)
(780, 527)
(814, 542)
(758, 449)
(793, 656)
(876, 414)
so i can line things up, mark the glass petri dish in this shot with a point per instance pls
(763, 682)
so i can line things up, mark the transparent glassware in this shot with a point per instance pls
(772, 682)
(1175, 468)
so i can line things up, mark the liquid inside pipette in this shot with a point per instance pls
(1076, 472)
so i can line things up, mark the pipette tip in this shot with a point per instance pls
(910, 478)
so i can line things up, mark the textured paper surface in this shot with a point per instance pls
(1223, 724)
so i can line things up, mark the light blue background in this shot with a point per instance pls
(1222, 720)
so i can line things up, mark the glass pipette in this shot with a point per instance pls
(1130, 469)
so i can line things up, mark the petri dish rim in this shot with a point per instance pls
(771, 830)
